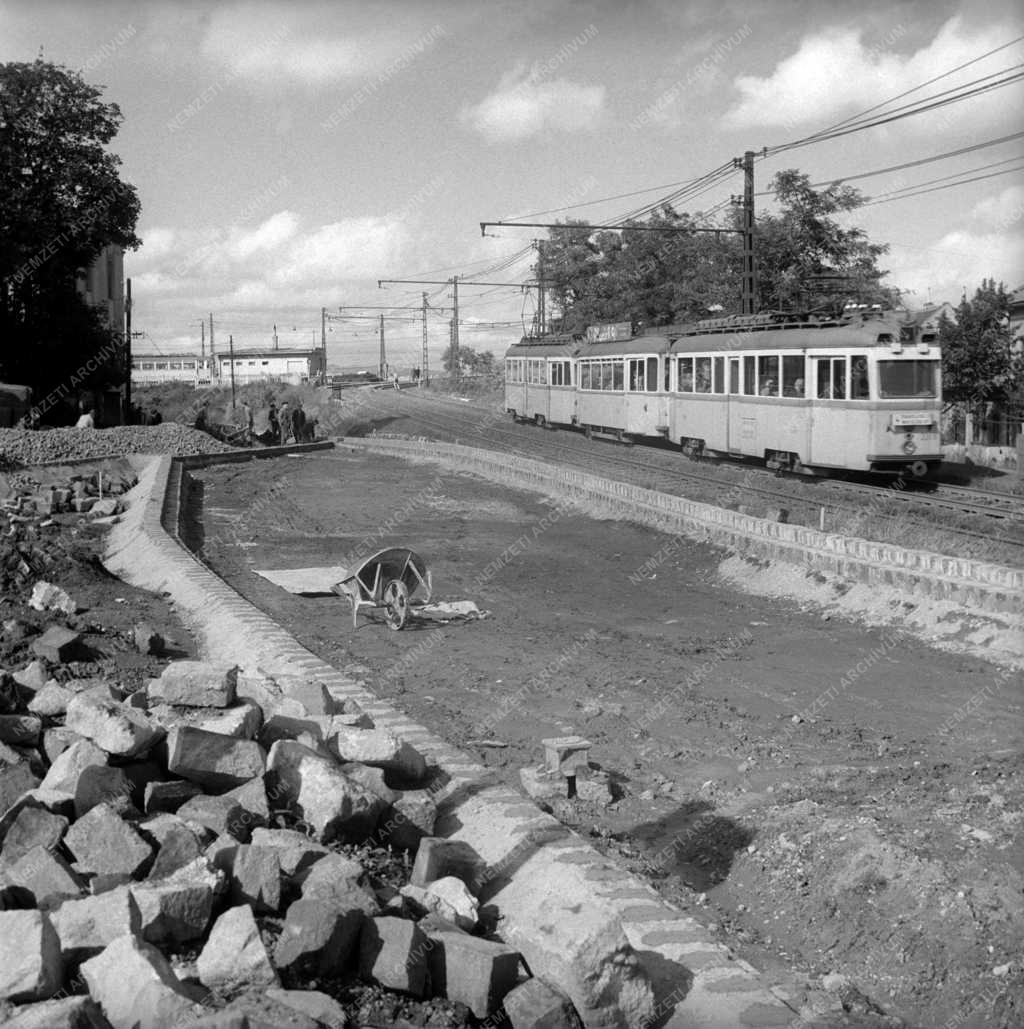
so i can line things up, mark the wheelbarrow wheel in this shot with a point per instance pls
(396, 604)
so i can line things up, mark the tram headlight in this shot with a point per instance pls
(909, 447)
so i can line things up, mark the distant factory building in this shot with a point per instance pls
(292, 366)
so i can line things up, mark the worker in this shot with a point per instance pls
(285, 416)
(86, 420)
(273, 422)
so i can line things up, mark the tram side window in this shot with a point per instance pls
(748, 376)
(767, 376)
(719, 375)
(637, 378)
(734, 376)
(617, 376)
(685, 373)
(652, 374)
(858, 377)
(607, 375)
(793, 377)
(831, 378)
(584, 375)
(560, 373)
(702, 374)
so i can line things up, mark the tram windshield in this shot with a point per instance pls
(908, 379)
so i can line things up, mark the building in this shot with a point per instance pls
(101, 286)
(292, 366)
(150, 369)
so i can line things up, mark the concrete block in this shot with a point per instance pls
(20, 730)
(536, 1005)
(136, 988)
(33, 826)
(380, 748)
(195, 684)
(87, 925)
(114, 728)
(234, 957)
(393, 952)
(565, 754)
(334, 806)
(471, 971)
(217, 763)
(438, 857)
(31, 967)
(46, 876)
(104, 844)
(58, 645)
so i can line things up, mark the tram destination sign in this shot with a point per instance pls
(609, 332)
(900, 421)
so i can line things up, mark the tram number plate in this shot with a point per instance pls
(918, 418)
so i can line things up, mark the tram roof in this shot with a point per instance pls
(549, 347)
(637, 345)
(796, 337)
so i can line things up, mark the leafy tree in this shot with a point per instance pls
(470, 361)
(978, 366)
(660, 277)
(61, 202)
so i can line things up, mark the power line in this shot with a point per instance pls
(887, 199)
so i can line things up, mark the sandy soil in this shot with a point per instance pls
(832, 798)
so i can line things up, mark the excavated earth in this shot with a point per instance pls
(841, 804)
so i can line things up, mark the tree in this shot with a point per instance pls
(806, 260)
(470, 361)
(978, 366)
(61, 202)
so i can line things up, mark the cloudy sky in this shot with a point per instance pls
(288, 155)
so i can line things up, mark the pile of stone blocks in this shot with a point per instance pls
(172, 857)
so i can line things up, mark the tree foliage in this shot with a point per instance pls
(978, 366)
(61, 202)
(676, 275)
(470, 361)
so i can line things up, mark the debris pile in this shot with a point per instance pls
(26, 447)
(220, 847)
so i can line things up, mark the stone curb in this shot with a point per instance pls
(551, 887)
(973, 584)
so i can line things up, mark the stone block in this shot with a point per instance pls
(292, 726)
(318, 936)
(536, 1005)
(471, 971)
(324, 1010)
(52, 700)
(88, 925)
(256, 878)
(222, 815)
(136, 988)
(147, 640)
(195, 684)
(66, 770)
(33, 826)
(234, 957)
(34, 676)
(335, 873)
(46, 876)
(334, 806)
(169, 796)
(104, 844)
(31, 967)
(448, 897)
(47, 597)
(296, 852)
(243, 721)
(114, 728)
(58, 645)
(103, 784)
(380, 748)
(56, 740)
(312, 695)
(14, 781)
(252, 798)
(217, 763)
(371, 779)
(179, 846)
(66, 1013)
(438, 857)
(20, 730)
(393, 952)
(411, 818)
(178, 909)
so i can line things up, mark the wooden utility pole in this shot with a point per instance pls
(214, 370)
(749, 262)
(455, 328)
(127, 412)
(542, 327)
(231, 351)
(424, 370)
(323, 342)
(383, 361)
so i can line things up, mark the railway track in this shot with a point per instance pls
(462, 422)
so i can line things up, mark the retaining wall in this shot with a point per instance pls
(973, 584)
(625, 956)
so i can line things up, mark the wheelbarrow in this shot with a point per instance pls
(388, 581)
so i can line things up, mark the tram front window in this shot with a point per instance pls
(899, 379)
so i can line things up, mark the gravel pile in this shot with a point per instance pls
(27, 448)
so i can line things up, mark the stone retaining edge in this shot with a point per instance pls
(560, 901)
(975, 584)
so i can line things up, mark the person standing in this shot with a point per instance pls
(86, 420)
(298, 421)
(247, 424)
(273, 422)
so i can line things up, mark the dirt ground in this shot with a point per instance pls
(830, 798)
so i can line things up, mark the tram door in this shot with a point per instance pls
(734, 411)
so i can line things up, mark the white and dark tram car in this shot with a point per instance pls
(861, 393)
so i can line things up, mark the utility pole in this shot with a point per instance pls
(749, 262)
(542, 327)
(126, 414)
(323, 343)
(383, 362)
(455, 328)
(424, 372)
(275, 337)
(231, 351)
(214, 370)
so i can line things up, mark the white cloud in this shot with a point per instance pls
(834, 72)
(1000, 212)
(522, 107)
(353, 248)
(271, 234)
